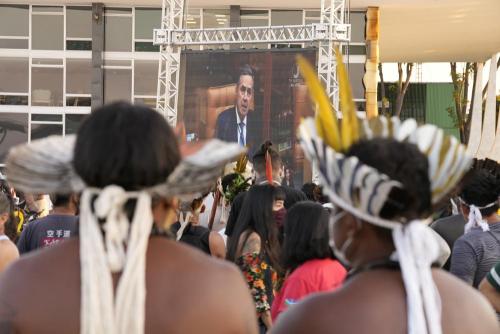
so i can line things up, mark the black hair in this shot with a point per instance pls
(246, 70)
(306, 235)
(256, 215)
(126, 145)
(402, 162)
(312, 191)
(480, 189)
(7, 206)
(60, 199)
(259, 158)
(227, 180)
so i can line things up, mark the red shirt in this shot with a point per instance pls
(312, 276)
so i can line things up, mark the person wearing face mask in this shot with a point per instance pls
(255, 247)
(384, 176)
(478, 250)
(268, 167)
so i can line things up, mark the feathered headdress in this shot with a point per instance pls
(45, 166)
(363, 190)
(240, 182)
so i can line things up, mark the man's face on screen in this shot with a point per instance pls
(244, 94)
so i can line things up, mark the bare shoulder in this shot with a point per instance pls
(340, 311)
(39, 274)
(464, 308)
(250, 243)
(38, 261)
(9, 250)
(314, 314)
(202, 288)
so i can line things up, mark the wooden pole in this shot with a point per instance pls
(372, 61)
(215, 204)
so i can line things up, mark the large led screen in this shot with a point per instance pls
(248, 97)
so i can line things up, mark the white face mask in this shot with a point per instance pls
(342, 249)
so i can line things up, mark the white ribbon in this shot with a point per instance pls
(184, 222)
(109, 206)
(416, 250)
(124, 249)
(476, 219)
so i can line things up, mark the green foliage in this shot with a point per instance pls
(239, 184)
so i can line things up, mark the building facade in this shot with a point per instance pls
(46, 59)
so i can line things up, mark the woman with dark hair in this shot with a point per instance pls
(8, 250)
(308, 260)
(255, 247)
(127, 164)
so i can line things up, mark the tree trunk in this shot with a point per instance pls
(402, 87)
(457, 97)
(465, 95)
(382, 89)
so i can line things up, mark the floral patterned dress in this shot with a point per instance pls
(261, 278)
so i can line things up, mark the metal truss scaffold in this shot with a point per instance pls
(172, 36)
(170, 61)
(332, 15)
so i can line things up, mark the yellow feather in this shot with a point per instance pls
(326, 121)
(241, 164)
(350, 126)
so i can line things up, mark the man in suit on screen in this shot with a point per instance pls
(238, 124)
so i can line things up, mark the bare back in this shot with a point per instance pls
(375, 302)
(187, 292)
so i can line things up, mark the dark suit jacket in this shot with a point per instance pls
(226, 128)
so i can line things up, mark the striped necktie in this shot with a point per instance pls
(241, 139)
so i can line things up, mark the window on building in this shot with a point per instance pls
(46, 83)
(73, 122)
(15, 89)
(78, 79)
(356, 73)
(78, 28)
(47, 28)
(283, 18)
(286, 17)
(147, 101)
(312, 16)
(145, 78)
(117, 84)
(42, 130)
(146, 20)
(14, 26)
(118, 32)
(13, 131)
(255, 18)
(357, 20)
(193, 19)
(215, 18)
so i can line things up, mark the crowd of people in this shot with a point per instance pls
(129, 232)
